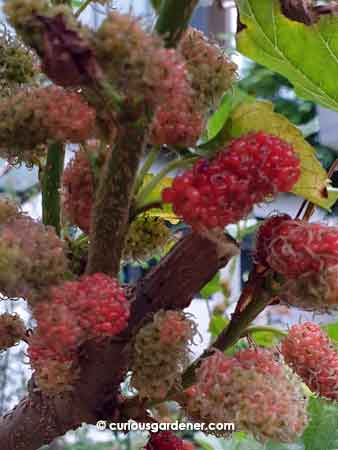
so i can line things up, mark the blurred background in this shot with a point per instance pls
(215, 303)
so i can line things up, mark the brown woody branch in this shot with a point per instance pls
(38, 419)
(110, 217)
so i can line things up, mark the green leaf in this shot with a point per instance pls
(332, 331)
(265, 338)
(217, 324)
(322, 432)
(216, 128)
(212, 287)
(166, 212)
(306, 55)
(229, 102)
(260, 116)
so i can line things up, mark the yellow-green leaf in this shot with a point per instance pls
(166, 211)
(306, 55)
(261, 116)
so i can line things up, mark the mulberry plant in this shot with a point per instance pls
(165, 153)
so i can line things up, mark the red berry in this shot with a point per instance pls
(80, 310)
(168, 195)
(221, 191)
(295, 247)
(164, 440)
(308, 350)
(264, 236)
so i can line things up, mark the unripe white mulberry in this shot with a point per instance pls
(252, 390)
(161, 353)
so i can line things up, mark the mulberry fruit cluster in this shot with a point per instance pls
(176, 124)
(8, 210)
(78, 190)
(212, 72)
(54, 377)
(296, 247)
(143, 71)
(146, 236)
(31, 118)
(265, 235)
(93, 307)
(25, 18)
(166, 440)
(309, 352)
(17, 64)
(29, 249)
(224, 190)
(52, 348)
(251, 389)
(20, 12)
(12, 330)
(177, 121)
(305, 255)
(313, 291)
(161, 353)
(136, 61)
(101, 308)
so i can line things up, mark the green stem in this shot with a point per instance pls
(82, 7)
(240, 321)
(173, 20)
(140, 200)
(267, 329)
(149, 161)
(50, 186)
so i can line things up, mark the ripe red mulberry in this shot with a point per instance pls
(264, 236)
(308, 350)
(92, 307)
(295, 247)
(98, 303)
(224, 190)
(164, 440)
